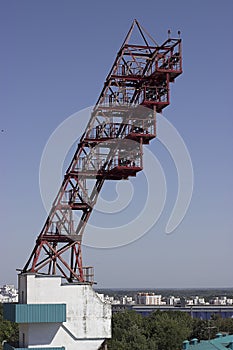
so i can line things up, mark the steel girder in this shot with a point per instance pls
(110, 148)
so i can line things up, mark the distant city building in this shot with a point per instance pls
(221, 301)
(196, 301)
(173, 301)
(146, 302)
(8, 294)
(126, 300)
(149, 299)
(108, 299)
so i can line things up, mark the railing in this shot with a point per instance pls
(92, 163)
(131, 68)
(113, 100)
(156, 94)
(88, 274)
(168, 62)
(129, 158)
(118, 130)
(126, 162)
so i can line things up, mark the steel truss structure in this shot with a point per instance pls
(111, 148)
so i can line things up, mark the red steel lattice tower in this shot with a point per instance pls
(110, 148)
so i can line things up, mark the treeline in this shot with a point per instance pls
(8, 330)
(162, 330)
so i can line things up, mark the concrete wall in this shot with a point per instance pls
(88, 318)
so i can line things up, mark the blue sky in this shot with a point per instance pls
(55, 56)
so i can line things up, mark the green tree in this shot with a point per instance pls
(8, 330)
(208, 329)
(201, 329)
(128, 333)
(159, 331)
(168, 329)
(222, 324)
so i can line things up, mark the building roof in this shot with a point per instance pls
(221, 342)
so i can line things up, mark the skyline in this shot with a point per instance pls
(54, 63)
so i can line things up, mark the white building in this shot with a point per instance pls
(219, 301)
(57, 316)
(173, 300)
(8, 294)
(201, 301)
(149, 299)
(126, 300)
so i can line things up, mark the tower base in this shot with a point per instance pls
(58, 316)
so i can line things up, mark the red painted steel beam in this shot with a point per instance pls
(140, 76)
